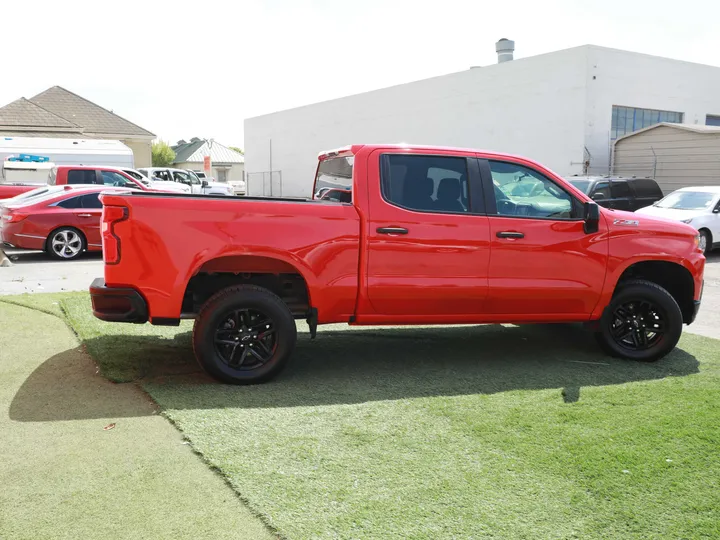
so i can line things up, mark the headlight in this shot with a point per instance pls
(687, 220)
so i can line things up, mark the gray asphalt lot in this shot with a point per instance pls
(33, 271)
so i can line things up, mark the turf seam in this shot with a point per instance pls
(216, 470)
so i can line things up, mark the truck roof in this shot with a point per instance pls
(355, 148)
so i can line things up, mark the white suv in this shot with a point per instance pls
(183, 177)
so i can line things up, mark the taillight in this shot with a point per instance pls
(14, 217)
(111, 243)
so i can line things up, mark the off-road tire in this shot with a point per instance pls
(211, 317)
(645, 291)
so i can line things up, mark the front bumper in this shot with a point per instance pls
(117, 304)
(696, 305)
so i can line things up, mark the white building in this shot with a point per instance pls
(563, 109)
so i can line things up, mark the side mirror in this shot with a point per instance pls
(591, 215)
(204, 183)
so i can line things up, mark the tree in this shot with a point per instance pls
(238, 150)
(162, 154)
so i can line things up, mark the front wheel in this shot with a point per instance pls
(244, 335)
(705, 242)
(643, 322)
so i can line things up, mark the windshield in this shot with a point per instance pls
(582, 185)
(334, 179)
(687, 200)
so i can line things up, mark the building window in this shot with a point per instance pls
(628, 119)
(712, 120)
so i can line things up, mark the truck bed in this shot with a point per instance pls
(171, 243)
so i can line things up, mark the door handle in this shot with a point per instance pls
(510, 234)
(84, 215)
(391, 230)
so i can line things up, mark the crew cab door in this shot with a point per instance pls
(427, 237)
(543, 266)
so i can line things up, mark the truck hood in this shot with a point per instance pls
(670, 213)
(620, 221)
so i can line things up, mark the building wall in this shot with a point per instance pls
(236, 171)
(637, 80)
(677, 158)
(142, 151)
(532, 106)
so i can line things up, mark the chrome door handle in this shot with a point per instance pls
(84, 215)
(510, 234)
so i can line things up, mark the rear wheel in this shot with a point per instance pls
(66, 243)
(244, 335)
(643, 322)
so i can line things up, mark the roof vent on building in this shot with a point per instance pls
(181, 142)
(504, 49)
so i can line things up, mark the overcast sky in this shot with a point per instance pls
(184, 69)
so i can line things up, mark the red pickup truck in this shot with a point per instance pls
(431, 236)
(77, 174)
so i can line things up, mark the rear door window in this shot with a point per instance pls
(425, 183)
(82, 176)
(72, 202)
(91, 200)
(619, 189)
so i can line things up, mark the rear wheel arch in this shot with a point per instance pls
(282, 278)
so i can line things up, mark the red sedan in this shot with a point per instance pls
(62, 221)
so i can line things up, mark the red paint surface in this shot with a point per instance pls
(449, 268)
(42, 218)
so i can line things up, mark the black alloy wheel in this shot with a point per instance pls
(245, 338)
(638, 325)
(244, 334)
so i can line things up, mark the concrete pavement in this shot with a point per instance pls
(35, 272)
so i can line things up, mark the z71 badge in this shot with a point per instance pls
(627, 222)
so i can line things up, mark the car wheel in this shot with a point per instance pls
(643, 322)
(244, 335)
(66, 243)
(705, 241)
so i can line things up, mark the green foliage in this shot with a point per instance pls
(238, 150)
(162, 154)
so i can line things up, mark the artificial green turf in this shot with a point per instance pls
(63, 476)
(465, 432)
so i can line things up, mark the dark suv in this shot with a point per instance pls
(619, 192)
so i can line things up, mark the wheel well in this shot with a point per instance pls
(277, 276)
(56, 229)
(672, 277)
(705, 229)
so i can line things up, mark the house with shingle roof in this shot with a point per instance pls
(227, 164)
(57, 112)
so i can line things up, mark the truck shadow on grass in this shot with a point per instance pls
(361, 365)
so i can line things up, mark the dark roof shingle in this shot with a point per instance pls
(80, 111)
(23, 113)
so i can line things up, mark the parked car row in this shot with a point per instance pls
(697, 206)
(168, 176)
